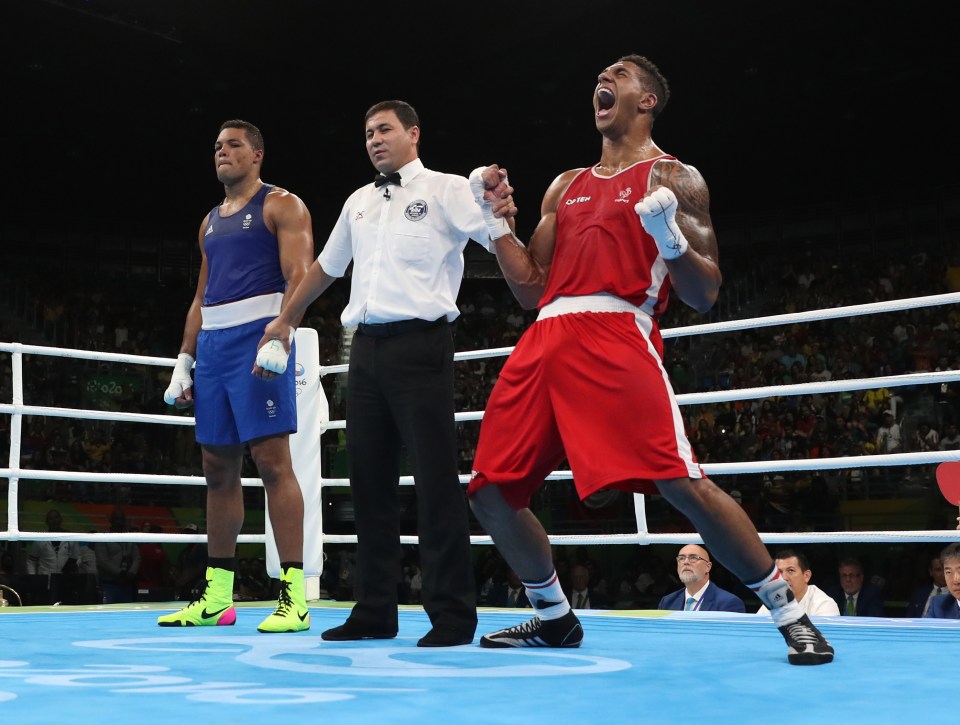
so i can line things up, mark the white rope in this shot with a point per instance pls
(57, 475)
(842, 462)
(791, 464)
(776, 391)
(791, 537)
(829, 386)
(132, 536)
(870, 308)
(16, 347)
(18, 409)
(717, 396)
(40, 410)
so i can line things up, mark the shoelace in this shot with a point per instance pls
(802, 633)
(284, 602)
(201, 593)
(527, 627)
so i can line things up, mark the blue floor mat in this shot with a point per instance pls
(114, 664)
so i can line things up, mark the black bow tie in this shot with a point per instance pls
(393, 178)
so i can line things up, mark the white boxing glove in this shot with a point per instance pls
(496, 226)
(180, 380)
(658, 215)
(273, 357)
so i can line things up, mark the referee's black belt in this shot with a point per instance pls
(401, 327)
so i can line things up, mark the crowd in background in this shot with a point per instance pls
(144, 319)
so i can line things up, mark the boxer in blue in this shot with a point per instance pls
(255, 248)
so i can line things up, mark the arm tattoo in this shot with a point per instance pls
(693, 203)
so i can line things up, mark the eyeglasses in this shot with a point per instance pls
(692, 558)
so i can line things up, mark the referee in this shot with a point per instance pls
(405, 234)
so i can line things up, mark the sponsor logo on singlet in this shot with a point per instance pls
(209, 230)
(577, 200)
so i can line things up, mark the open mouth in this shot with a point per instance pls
(605, 99)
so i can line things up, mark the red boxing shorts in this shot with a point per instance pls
(588, 386)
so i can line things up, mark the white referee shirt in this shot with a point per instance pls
(406, 243)
(815, 602)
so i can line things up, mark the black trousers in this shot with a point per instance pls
(400, 393)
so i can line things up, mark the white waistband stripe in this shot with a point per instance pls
(240, 312)
(587, 303)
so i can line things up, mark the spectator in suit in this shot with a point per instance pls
(118, 563)
(699, 593)
(947, 606)
(508, 593)
(920, 598)
(854, 598)
(795, 568)
(581, 595)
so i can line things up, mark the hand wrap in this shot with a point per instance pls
(180, 380)
(496, 226)
(273, 357)
(658, 215)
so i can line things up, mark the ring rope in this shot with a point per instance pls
(715, 396)
(18, 409)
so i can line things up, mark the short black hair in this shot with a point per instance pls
(800, 557)
(405, 112)
(653, 79)
(253, 133)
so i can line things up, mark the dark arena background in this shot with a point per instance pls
(824, 135)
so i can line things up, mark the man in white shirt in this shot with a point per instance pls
(53, 557)
(794, 567)
(889, 439)
(404, 234)
(950, 441)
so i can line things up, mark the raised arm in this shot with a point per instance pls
(676, 213)
(525, 268)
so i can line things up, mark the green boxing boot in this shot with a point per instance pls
(214, 606)
(292, 614)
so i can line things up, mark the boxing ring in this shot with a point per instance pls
(634, 664)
